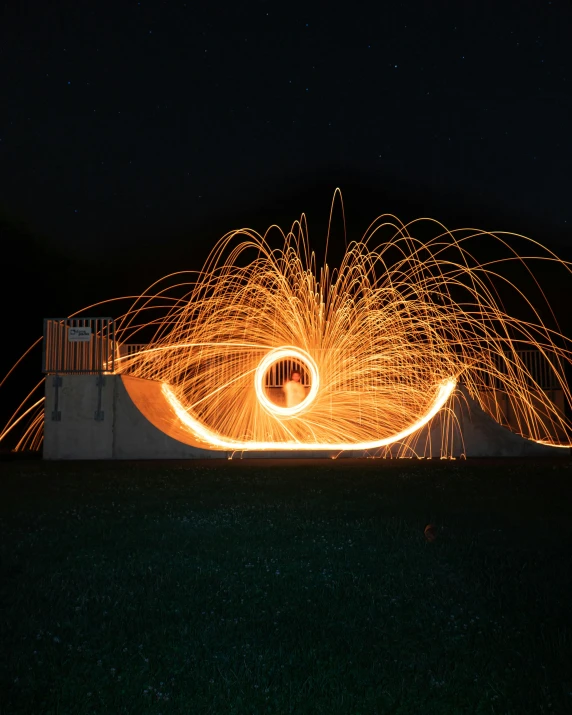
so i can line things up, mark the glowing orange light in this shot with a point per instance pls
(213, 440)
(384, 339)
(283, 353)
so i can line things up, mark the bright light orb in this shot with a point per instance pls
(274, 356)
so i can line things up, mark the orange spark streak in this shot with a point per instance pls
(383, 339)
(216, 441)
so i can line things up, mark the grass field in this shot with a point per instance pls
(293, 587)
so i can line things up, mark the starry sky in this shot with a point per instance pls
(134, 134)
(151, 119)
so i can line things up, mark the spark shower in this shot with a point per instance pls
(384, 341)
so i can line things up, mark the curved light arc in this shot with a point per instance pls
(216, 441)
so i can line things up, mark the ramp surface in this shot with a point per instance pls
(129, 418)
(481, 435)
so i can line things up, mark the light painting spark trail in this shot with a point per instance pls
(381, 342)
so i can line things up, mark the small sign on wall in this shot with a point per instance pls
(79, 335)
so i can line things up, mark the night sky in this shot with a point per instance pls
(134, 134)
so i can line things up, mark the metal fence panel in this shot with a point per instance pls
(532, 365)
(79, 345)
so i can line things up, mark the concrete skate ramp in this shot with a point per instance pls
(123, 417)
(484, 437)
(146, 426)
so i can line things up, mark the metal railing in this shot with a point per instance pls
(280, 372)
(84, 346)
(128, 349)
(530, 364)
(534, 364)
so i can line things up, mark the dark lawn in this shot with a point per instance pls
(293, 587)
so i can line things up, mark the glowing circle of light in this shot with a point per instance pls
(274, 356)
(410, 312)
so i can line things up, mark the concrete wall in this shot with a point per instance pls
(71, 430)
(129, 418)
(83, 420)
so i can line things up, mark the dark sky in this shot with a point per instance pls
(134, 134)
(125, 120)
